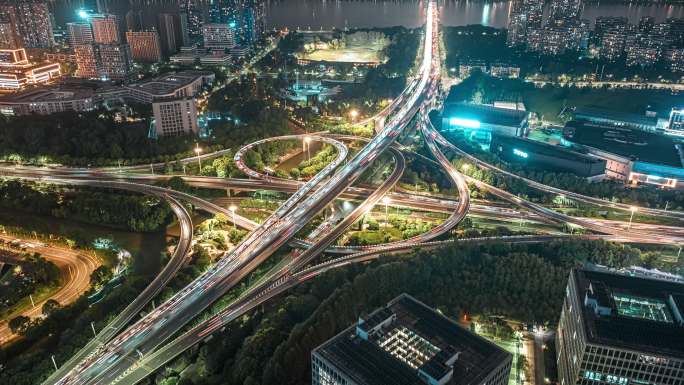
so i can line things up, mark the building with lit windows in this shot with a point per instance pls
(675, 125)
(145, 46)
(48, 100)
(103, 61)
(105, 29)
(79, 33)
(219, 36)
(184, 84)
(481, 120)
(16, 72)
(27, 23)
(9, 34)
(408, 343)
(621, 329)
(631, 155)
(175, 117)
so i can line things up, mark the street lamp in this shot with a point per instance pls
(465, 167)
(633, 209)
(353, 114)
(386, 200)
(232, 209)
(198, 151)
(305, 146)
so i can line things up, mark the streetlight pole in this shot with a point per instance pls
(386, 200)
(306, 145)
(633, 209)
(198, 151)
(232, 209)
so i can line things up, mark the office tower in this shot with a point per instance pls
(246, 18)
(219, 36)
(167, 34)
(114, 61)
(184, 29)
(105, 29)
(407, 342)
(86, 61)
(195, 17)
(145, 46)
(620, 329)
(79, 33)
(28, 21)
(134, 20)
(175, 117)
(676, 122)
(9, 35)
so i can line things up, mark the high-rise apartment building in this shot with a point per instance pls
(620, 329)
(145, 46)
(9, 34)
(407, 342)
(86, 61)
(565, 11)
(525, 16)
(28, 21)
(114, 61)
(175, 117)
(218, 35)
(103, 61)
(105, 29)
(79, 33)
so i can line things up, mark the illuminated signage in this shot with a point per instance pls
(520, 153)
(467, 123)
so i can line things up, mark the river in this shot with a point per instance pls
(317, 14)
(146, 248)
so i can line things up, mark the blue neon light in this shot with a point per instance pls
(520, 153)
(467, 123)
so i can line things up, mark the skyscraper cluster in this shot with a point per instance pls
(563, 31)
(97, 43)
(612, 39)
(642, 45)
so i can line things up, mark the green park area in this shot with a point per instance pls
(552, 103)
(357, 47)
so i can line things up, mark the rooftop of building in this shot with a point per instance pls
(46, 94)
(624, 141)
(533, 146)
(605, 114)
(632, 312)
(405, 340)
(482, 113)
(170, 82)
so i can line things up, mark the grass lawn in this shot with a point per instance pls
(549, 101)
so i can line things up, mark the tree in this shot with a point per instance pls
(100, 276)
(19, 325)
(50, 306)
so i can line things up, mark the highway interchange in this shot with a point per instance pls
(124, 354)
